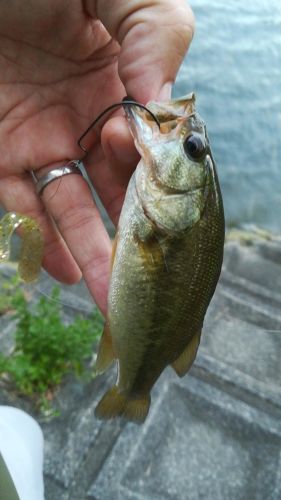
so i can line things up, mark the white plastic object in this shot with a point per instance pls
(21, 445)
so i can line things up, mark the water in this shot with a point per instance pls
(234, 66)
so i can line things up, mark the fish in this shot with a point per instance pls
(166, 258)
(32, 244)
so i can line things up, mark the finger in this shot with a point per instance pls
(154, 37)
(119, 149)
(109, 189)
(18, 194)
(110, 165)
(70, 202)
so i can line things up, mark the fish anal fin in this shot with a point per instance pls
(105, 354)
(184, 362)
(116, 404)
(136, 409)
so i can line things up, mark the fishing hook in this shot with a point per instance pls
(127, 101)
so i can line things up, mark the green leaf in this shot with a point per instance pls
(45, 348)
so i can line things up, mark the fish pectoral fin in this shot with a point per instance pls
(152, 253)
(105, 354)
(115, 404)
(184, 362)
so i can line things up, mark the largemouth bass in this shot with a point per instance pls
(166, 258)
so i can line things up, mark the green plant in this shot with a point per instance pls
(8, 288)
(45, 348)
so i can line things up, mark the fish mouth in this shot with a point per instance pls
(169, 111)
(164, 111)
(143, 126)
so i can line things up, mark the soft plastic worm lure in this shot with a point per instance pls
(31, 251)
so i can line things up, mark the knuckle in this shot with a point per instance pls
(75, 218)
(99, 263)
(184, 25)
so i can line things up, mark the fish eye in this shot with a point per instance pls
(194, 147)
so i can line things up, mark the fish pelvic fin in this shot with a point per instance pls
(115, 404)
(105, 354)
(184, 362)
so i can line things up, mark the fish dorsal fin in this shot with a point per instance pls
(184, 362)
(113, 251)
(105, 353)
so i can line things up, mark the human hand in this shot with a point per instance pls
(62, 63)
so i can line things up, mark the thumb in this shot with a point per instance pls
(154, 37)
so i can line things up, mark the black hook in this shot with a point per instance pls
(127, 101)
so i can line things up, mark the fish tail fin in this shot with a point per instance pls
(115, 404)
(105, 352)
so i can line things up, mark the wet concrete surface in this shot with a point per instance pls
(215, 434)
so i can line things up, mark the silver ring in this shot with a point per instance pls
(70, 168)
